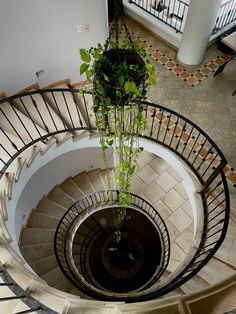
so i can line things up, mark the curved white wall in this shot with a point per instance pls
(69, 159)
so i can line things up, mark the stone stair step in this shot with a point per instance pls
(83, 183)
(36, 252)
(49, 207)
(64, 285)
(96, 179)
(36, 236)
(71, 188)
(33, 106)
(44, 265)
(108, 172)
(53, 277)
(215, 271)
(39, 220)
(14, 121)
(85, 104)
(60, 197)
(195, 284)
(227, 251)
(64, 105)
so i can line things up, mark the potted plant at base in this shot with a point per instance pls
(121, 75)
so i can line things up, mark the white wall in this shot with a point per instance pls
(42, 35)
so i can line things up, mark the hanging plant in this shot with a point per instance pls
(121, 75)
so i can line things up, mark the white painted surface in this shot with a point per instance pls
(42, 35)
(199, 24)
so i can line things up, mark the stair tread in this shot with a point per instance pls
(23, 123)
(33, 252)
(211, 274)
(44, 265)
(36, 236)
(68, 111)
(49, 207)
(112, 178)
(53, 277)
(60, 197)
(50, 122)
(83, 183)
(40, 220)
(71, 188)
(96, 179)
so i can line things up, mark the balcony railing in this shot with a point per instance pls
(226, 15)
(170, 12)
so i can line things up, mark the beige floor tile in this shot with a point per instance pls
(180, 219)
(181, 190)
(185, 240)
(174, 174)
(144, 159)
(173, 232)
(137, 185)
(173, 200)
(191, 227)
(187, 208)
(166, 181)
(159, 165)
(147, 174)
(176, 253)
(153, 192)
(162, 209)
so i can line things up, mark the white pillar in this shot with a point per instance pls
(198, 27)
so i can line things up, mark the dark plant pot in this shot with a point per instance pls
(109, 66)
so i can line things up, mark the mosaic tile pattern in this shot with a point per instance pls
(191, 79)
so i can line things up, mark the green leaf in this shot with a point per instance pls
(130, 87)
(83, 68)
(84, 55)
(121, 80)
(106, 78)
(89, 73)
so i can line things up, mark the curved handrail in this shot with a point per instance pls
(165, 127)
(86, 207)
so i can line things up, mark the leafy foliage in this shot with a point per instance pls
(119, 85)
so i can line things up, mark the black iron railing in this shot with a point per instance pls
(226, 15)
(170, 12)
(20, 294)
(37, 117)
(74, 218)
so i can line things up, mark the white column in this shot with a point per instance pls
(198, 27)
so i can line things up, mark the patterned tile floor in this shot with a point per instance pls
(192, 78)
(209, 104)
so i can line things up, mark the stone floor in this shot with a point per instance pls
(209, 103)
(158, 183)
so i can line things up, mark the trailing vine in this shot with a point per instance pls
(121, 76)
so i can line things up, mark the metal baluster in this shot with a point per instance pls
(14, 127)
(176, 123)
(39, 113)
(60, 115)
(29, 115)
(63, 93)
(49, 112)
(210, 164)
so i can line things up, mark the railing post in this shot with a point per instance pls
(212, 176)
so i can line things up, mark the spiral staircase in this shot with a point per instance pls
(44, 267)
